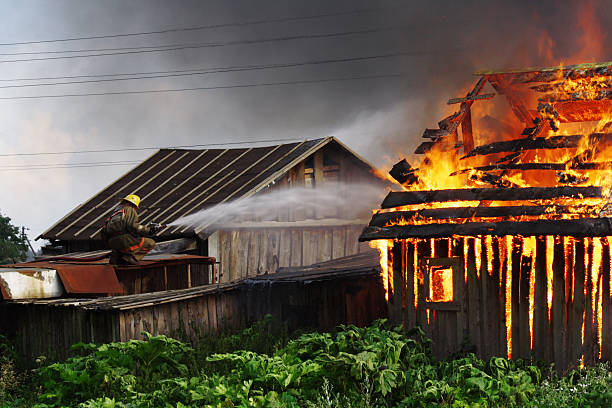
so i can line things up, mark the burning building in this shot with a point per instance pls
(500, 239)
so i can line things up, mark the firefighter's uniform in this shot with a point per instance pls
(124, 234)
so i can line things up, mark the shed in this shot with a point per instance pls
(174, 183)
(346, 290)
(499, 242)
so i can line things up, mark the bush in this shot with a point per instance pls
(378, 366)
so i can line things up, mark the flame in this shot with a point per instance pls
(563, 105)
(384, 247)
(441, 285)
(550, 244)
(509, 247)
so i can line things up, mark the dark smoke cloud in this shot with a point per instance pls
(382, 119)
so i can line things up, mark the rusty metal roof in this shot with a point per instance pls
(174, 183)
(84, 277)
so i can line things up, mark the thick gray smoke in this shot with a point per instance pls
(443, 43)
(348, 201)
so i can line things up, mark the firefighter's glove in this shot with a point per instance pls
(154, 228)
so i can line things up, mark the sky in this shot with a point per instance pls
(373, 74)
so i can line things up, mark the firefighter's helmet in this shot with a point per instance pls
(132, 199)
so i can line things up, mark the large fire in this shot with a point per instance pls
(555, 131)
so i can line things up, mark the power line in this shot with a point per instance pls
(204, 71)
(205, 27)
(247, 142)
(208, 88)
(177, 47)
(70, 167)
(29, 166)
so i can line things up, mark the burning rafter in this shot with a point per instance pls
(402, 198)
(585, 227)
(384, 219)
(527, 143)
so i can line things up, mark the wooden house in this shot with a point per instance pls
(506, 249)
(174, 183)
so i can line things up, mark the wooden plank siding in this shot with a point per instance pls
(250, 252)
(50, 329)
(535, 298)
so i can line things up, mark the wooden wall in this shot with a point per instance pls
(51, 329)
(250, 252)
(562, 282)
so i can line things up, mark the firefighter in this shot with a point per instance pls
(125, 235)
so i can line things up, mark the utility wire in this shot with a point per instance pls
(126, 149)
(69, 167)
(16, 167)
(176, 47)
(207, 88)
(204, 71)
(205, 27)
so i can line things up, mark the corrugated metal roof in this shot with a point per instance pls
(174, 183)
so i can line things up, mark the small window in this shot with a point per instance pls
(442, 278)
(440, 284)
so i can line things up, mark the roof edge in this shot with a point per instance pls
(590, 65)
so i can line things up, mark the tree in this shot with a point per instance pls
(13, 243)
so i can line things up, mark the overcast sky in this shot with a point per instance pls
(435, 46)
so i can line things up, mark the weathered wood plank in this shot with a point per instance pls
(579, 227)
(606, 345)
(254, 253)
(589, 311)
(515, 273)
(296, 247)
(578, 301)
(540, 313)
(325, 245)
(524, 335)
(395, 217)
(409, 278)
(284, 251)
(558, 329)
(338, 242)
(400, 198)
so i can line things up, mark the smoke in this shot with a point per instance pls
(380, 119)
(344, 201)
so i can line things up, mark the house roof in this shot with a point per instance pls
(173, 183)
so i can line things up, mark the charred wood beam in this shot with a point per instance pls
(453, 101)
(403, 173)
(395, 217)
(527, 143)
(435, 134)
(450, 124)
(497, 180)
(577, 96)
(400, 198)
(591, 227)
(539, 166)
(561, 86)
(424, 147)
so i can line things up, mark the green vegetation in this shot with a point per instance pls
(13, 243)
(378, 366)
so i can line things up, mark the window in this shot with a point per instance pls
(442, 278)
